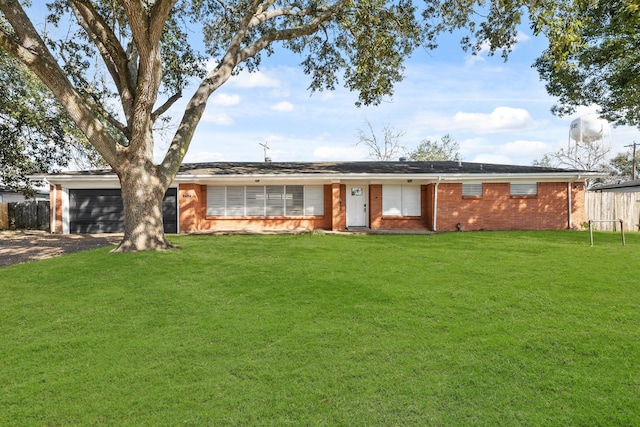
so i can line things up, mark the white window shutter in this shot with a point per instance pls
(235, 201)
(410, 200)
(472, 189)
(391, 200)
(524, 189)
(313, 200)
(216, 201)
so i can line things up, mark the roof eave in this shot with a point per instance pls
(430, 177)
(486, 177)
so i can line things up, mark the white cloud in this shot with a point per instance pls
(485, 46)
(225, 99)
(478, 56)
(490, 150)
(522, 37)
(501, 119)
(327, 95)
(339, 153)
(279, 92)
(491, 158)
(203, 156)
(222, 119)
(282, 107)
(526, 148)
(253, 80)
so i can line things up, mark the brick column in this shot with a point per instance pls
(189, 196)
(338, 207)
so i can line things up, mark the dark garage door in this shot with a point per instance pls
(102, 211)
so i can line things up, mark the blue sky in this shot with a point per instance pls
(498, 111)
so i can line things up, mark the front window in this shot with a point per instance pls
(401, 200)
(269, 200)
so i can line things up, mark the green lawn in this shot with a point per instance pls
(458, 329)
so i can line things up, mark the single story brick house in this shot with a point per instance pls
(287, 196)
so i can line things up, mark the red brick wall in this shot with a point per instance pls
(578, 215)
(375, 206)
(55, 198)
(428, 195)
(192, 199)
(497, 210)
(338, 206)
(378, 221)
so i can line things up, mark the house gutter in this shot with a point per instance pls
(570, 219)
(435, 205)
(53, 217)
(484, 177)
(111, 178)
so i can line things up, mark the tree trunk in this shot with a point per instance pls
(142, 195)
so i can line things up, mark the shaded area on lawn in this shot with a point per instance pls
(23, 246)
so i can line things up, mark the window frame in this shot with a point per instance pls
(401, 200)
(260, 204)
(523, 189)
(470, 190)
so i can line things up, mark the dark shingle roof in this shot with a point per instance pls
(341, 168)
(409, 167)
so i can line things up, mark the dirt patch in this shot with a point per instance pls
(23, 246)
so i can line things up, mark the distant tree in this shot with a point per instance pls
(579, 155)
(588, 156)
(547, 161)
(622, 165)
(444, 149)
(385, 149)
(36, 133)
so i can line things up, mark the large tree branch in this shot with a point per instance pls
(233, 56)
(167, 104)
(261, 17)
(28, 47)
(264, 6)
(112, 52)
(98, 108)
(198, 102)
(146, 28)
(160, 12)
(288, 33)
(191, 117)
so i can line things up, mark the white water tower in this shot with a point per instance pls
(589, 129)
(589, 142)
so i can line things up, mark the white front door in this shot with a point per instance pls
(357, 209)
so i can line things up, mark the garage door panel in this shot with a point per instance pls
(102, 211)
(170, 211)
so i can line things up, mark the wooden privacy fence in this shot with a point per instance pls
(24, 216)
(609, 207)
(4, 216)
